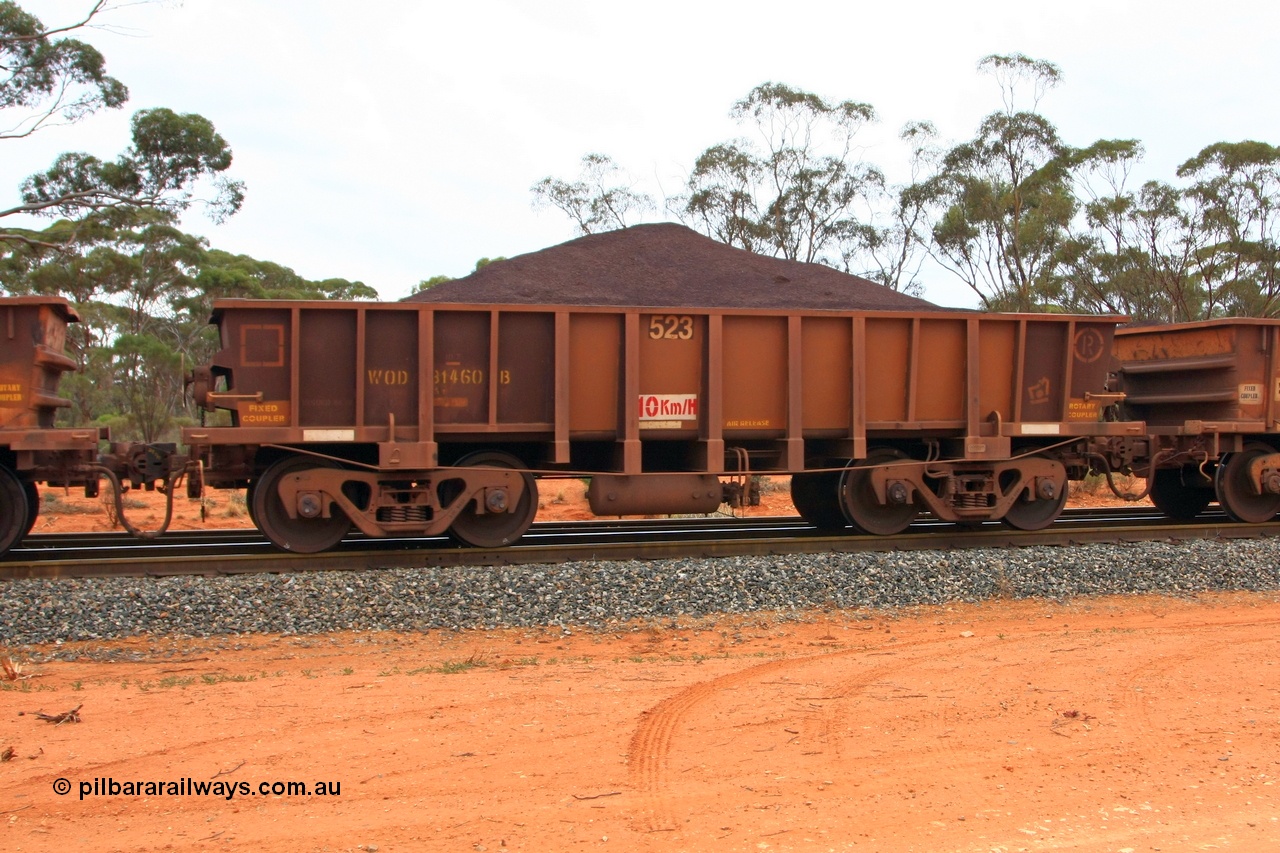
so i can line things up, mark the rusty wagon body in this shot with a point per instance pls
(33, 360)
(421, 418)
(1209, 393)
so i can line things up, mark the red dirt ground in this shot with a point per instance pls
(1111, 724)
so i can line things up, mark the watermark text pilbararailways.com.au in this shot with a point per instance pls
(188, 787)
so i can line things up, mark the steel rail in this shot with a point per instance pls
(224, 552)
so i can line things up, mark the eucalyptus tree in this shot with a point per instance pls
(793, 191)
(1001, 202)
(594, 202)
(1235, 188)
(1169, 233)
(47, 77)
(722, 198)
(889, 248)
(1179, 253)
(1119, 247)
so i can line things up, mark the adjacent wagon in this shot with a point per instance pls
(1210, 395)
(33, 359)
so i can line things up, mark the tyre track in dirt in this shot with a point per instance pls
(827, 706)
(650, 749)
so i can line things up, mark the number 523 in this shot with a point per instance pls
(671, 327)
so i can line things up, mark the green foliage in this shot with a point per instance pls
(1235, 199)
(1130, 252)
(169, 154)
(49, 78)
(46, 77)
(1004, 202)
(223, 274)
(1170, 254)
(428, 283)
(794, 195)
(590, 202)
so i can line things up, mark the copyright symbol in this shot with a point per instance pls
(61, 787)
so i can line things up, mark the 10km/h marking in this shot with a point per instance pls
(668, 407)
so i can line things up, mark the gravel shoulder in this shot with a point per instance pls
(601, 595)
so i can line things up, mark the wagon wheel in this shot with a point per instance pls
(13, 510)
(816, 497)
(1175, 498)
(33, 505)
(1039, 513)
(859, 499)
(300, 535)
(496, 529)
(1235, 492)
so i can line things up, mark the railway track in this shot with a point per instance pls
(218, 552)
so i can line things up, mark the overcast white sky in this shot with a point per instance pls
(388, 141)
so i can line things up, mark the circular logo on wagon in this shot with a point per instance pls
(1089, 345)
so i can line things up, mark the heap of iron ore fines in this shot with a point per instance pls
(670, 266)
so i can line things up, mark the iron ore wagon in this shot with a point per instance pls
(420, 418)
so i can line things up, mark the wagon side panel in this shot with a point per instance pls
(525, 371)
(755, 377)
(461, 377)
(327, 368)
(391, 371)
(887, 358)
(253, 373)
(1044, 371)
(595, 375)
(826, 375)
(940, 392)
